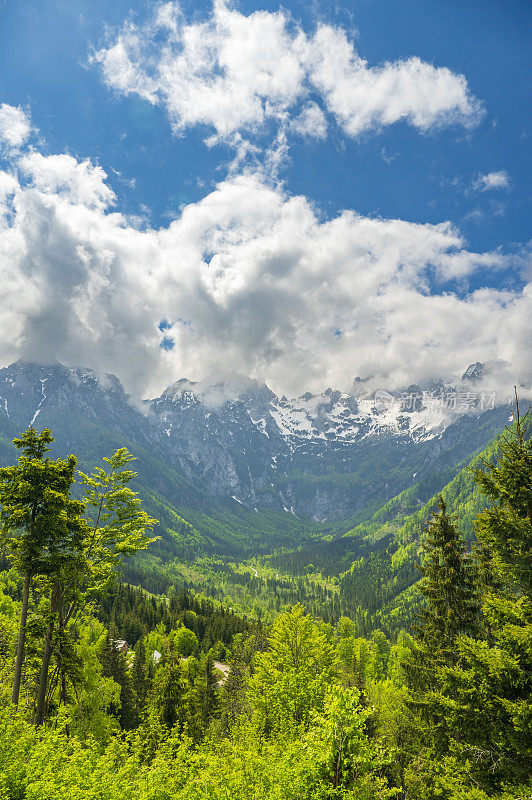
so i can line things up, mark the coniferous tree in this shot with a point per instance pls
(451, 609)
(488, 696)
(451, 601)
(140, 679)
(233, 695)
(203, 698)
(167, 697)
(114, 666)
(42, 529)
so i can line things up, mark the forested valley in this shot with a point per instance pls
(391, 661)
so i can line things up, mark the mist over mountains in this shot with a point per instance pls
(319, 458)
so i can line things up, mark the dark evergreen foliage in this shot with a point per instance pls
(133, 613)
(115, 666)
(450, 591)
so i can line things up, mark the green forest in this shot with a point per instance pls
(391, 661)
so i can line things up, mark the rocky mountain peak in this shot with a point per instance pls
(312, 455)
(474, 372)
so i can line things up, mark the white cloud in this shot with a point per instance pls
(254, 280)
(231, 72)
(15, 126)
(492, 180)
(362, 97)
(80, 182)
(311, 122)
(62, 175)
(8, 185)
(236, 73)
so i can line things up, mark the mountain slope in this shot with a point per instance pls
(373, 563)
(92, 418)
(320, 456)
(234, 468)
(382, 582)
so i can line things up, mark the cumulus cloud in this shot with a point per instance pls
(15, 126)
(79, 182)
(234, 72)
(249, 279)
(492, 180)
(361, 97)
(8, 185)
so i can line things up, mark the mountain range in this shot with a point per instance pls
(233, 463)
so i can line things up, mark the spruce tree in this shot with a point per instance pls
(489, 693)
(203, 698)
(233, 695)
(140, 679)
(114, 665)
(451, 600)
(42, 529)
(167, 697)
(451, 609)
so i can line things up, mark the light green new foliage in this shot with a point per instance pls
(351, 761)
(332, 759)
(88, 718)
(118, 524)
(184, 641)
(116, 527)
(155, 640)
(43, 763)
(9, 618)
(355, 656)
(292, 675)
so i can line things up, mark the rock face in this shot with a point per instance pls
(474, 372)
(316, 456)
(30, 394)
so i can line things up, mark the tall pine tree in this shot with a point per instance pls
(114, 665)
(203, 699)
(140, 679)
(167, 697)
(489, 693)
(451, 600)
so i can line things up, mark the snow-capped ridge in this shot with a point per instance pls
(416, 412)
(320, 454)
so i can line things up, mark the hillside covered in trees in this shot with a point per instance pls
(110, 690)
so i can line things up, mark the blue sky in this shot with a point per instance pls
(469, 164)
(44, 49)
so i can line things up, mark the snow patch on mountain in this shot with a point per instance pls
(43, 398)
(317, 455)
(334, 417)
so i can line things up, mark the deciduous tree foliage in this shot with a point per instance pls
(291, 677)
(308, 711)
